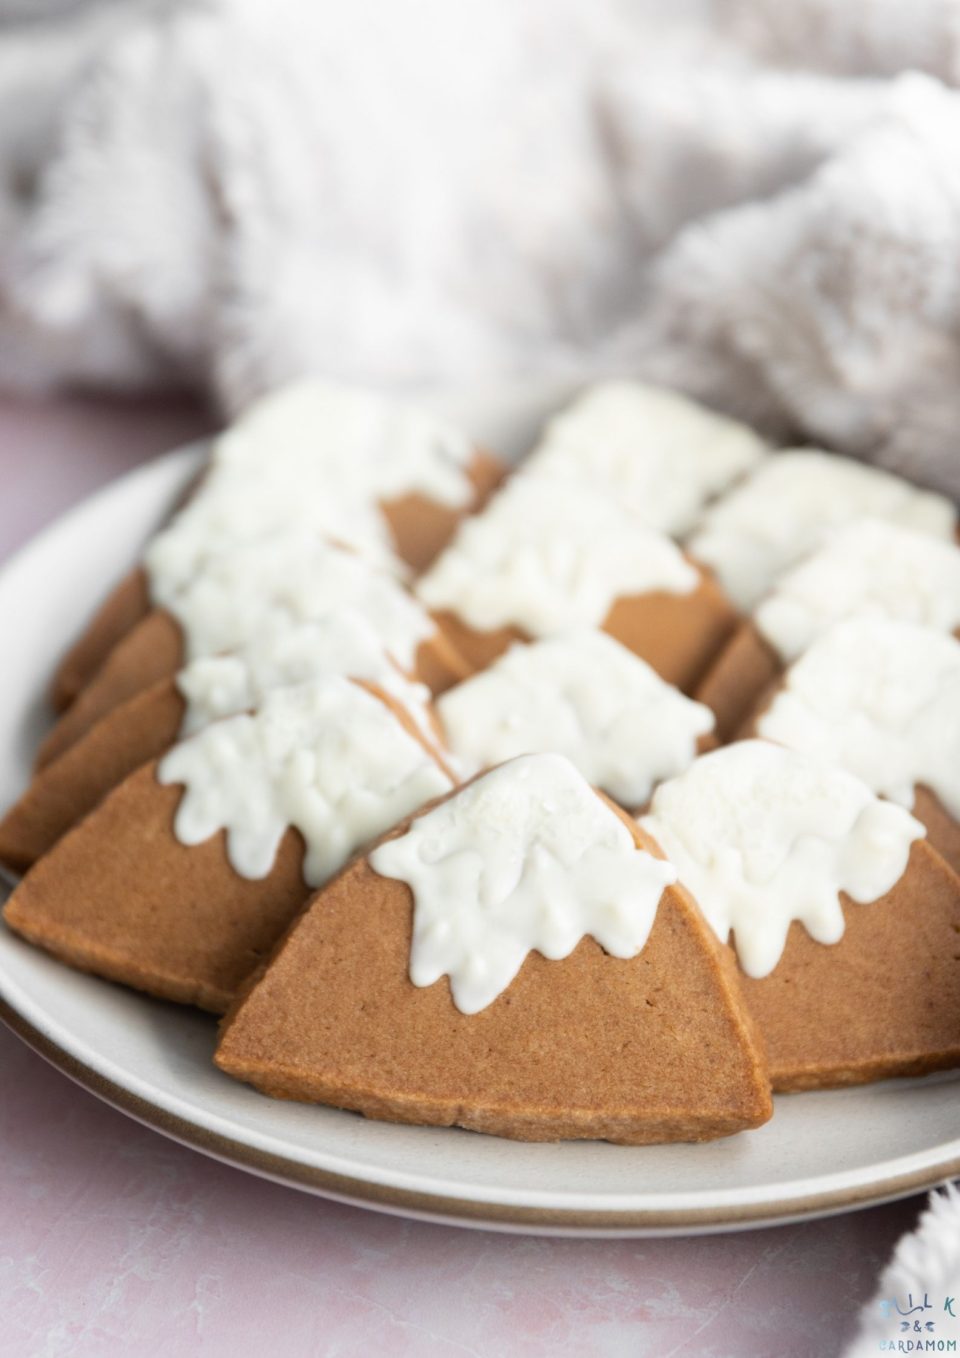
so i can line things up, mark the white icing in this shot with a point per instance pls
(663, 456)
(239, 596)
(526, 857)
(866, 568)
(882, 700)
(319, 457)
(546, 556)
(762, 835)
(326, 758)
(584, 696)
(787, 506)
(290, 652)
(316, 433)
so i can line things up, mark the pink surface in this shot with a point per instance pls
(114, 1241)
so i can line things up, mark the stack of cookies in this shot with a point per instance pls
(597, 799)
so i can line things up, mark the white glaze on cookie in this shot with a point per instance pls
(881, 699)
(548, 555)
(870, 568)
(762, 836)
(291, 652)
(785, 509)
(316, 435)
(659, 454)
(526, 857)
(584, 696)
(240, 594)
(326, 758)
(316, 456)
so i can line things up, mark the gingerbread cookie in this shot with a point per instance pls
(869, 567)
(583, 695)
(209, 689)
(185, 874)
(118, 614)
(379, 475)
(881, 699)
(435, 982)
(844, 921)
(785, 509)
(660, 455)
(247, 593)
(547, 556)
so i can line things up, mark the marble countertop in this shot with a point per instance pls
(115, 1241)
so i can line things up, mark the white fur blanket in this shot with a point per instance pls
(744, 199)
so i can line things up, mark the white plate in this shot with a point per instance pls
(822, 1152)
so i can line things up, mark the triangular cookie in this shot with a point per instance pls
(788, 505)
(69, 787)
(883, 1001)
(152, 650)
(239, 595)
(583, 695)
(868, 568)
(547, 556)
(148, 888)
(641, 1048)
(880, 698)
(211, 688)
(774, 844)
(120, 611)
(744, 668)
(421, 527)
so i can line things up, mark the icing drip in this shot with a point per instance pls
(881, 699)
(869, 568)
(661, 455)
(297, 577)
(787, 506)
(326, 758)
(526, 857)
(315, 457)
(762, 836)
(549, 555)
(582, 695)
(341, 642)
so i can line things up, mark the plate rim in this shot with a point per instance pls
(471, 1212)
(892, 1180)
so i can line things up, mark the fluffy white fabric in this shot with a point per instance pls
(925, 1263)
(230, 193)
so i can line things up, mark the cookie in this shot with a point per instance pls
(211, 688)
(70, 786)
(787, 507)
(881, 699)
(403, 479)
(186, 873)
(118, 614)
(547, 556)
(659, 454)
(248, 593)
(883, 1001)
(648, 1046)
(745, 667)
(584, 695)
(844, 921)
(420, 528)
(868, 567)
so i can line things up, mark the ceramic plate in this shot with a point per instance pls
(822, 1152)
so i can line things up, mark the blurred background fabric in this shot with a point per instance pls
(754, 201)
